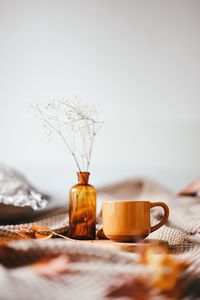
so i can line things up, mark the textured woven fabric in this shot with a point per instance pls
(95, 271)
(57, 220)
(183, 224)
(90, 275)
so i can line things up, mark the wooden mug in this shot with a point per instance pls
(129, 221)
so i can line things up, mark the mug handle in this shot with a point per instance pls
(165, 217)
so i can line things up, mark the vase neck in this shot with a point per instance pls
(83, 177)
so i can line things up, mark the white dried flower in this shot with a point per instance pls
(76, 124)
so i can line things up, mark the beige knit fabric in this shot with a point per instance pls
(183, 224)
(97, 270)
(93, 272)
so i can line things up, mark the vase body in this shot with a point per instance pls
(82, 209)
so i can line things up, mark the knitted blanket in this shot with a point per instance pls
(95, 273)
(183, 225)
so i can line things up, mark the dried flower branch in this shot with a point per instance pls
(74, 123)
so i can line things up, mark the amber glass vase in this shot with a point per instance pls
(82, 209)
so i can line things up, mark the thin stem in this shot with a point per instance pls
(62, 236)
(61, 136)
(91, 147)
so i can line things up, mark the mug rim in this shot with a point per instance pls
(124, 201)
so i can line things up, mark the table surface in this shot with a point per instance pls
(123, 247)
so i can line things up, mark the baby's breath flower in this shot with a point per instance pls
(74, 123)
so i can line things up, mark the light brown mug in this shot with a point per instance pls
(129, 221)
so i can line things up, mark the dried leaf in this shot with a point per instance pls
(133, 288)
(166, 270)
(163, 275)
(34, 232)
(52, 267)
(6, 239)
(38, 232)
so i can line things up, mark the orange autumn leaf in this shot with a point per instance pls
(52, 267)
(166, 269)
(38, 232)
(132, 288)
(6, 239)
(34, 232)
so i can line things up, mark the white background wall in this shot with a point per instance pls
(139, 61)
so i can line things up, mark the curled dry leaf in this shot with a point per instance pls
(34, 232)
(38, 232)
(9, 238)
(100, 234)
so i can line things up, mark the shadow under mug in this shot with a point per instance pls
(129, 221)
